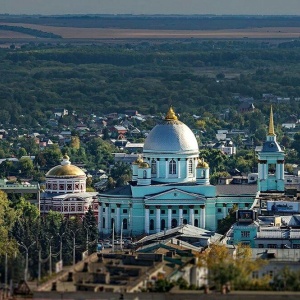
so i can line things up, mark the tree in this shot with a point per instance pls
(121, 173)
(75, 142)
(90, 225)
(7, 218)
(226, 268)
(26, 166)
(225, 224)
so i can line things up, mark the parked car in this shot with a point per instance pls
(107, 245)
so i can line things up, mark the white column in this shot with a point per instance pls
(265, 171)
(167, 168)
(224, 210)
(202, 216)
(118, 221)
(147, 219)
(192, 215)
(281, 170)
(130, 220)
(157, 169)
(187, 167)
(169, 217)
(180, 221)
(106, 217)
(157, 229)
(100, 217)
(178, 166)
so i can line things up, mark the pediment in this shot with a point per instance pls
(175, 195)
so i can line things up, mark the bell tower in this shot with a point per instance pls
(271, 163)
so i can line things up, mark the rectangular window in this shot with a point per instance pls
(260, 245)
(255, 275)
(184, 211)
(151, 211)
(103, 209)
(124, 211)
(162, 211)
(174, 211)
(219, 210)
(273, 246)
(112, 210)
(196, 212)
(245, 234)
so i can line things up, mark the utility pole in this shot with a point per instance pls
(50, 255)
(60, 245)
(121, 238)
(5, 277)
(40, 267)
(113, 236)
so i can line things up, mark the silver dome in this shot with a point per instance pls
(171, 137)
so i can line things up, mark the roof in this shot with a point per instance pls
(237, 189)
(65, 169)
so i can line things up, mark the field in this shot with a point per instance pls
(143, 27)
(118, 33)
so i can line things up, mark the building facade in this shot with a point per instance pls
(66, 191)
(170, 186)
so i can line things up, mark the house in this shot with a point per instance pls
(246, 107)
(118, 131)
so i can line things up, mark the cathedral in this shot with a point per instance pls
(170, 187)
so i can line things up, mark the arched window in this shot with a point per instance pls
(151, 224)
(190, 167)
(174, 223)
(196, 223)
(125, 224)
(172, 167)
(153, 166)
(144, 174)
(184, 221)
(162, 224)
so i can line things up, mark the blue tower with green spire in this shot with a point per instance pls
(271, 163)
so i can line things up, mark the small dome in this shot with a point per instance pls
(65, 169)
(172, 136)
(202, 164)
(138, 160)
(144, 165)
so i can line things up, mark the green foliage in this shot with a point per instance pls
(29, 31)
(225, 224)
(287, 280)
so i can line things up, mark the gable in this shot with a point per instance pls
(175, 196)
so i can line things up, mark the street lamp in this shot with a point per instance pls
(87, 236)
(74, 245)
(26, 263)
(60, 245)
(50, 254)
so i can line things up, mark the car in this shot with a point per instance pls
(107, 245)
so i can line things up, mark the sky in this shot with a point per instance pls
(232, 7)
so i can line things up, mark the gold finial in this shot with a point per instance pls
(66, 157)
(271, 124)
(171, 115)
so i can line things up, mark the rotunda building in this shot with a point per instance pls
(171, 149)
(65, 178)
(65, 191)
